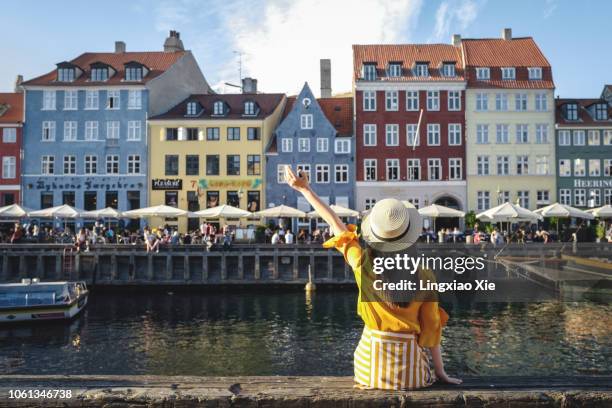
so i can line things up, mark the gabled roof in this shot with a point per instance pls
(156, 61)
(408, 55)
(267, 103)
(11, 107)
(339, 112)
(584, 117)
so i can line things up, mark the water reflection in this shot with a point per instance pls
(292, 334)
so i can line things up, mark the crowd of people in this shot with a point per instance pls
(280, 235)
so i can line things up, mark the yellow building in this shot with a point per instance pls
(208, 151)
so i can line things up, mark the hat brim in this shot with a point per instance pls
(406, 241)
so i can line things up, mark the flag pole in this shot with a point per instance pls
(418, 130)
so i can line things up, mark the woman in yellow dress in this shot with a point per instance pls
(391, 353)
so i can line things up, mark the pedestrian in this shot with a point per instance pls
(288, 237)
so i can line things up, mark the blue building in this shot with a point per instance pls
(86, 143)
(316, 136)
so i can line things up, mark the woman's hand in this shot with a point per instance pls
(443, 377)
(299, 183)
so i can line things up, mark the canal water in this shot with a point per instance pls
(272, 333)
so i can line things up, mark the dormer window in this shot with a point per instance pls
(571, 111)
(99, 74)
(192, 108)
(483, 73)
(601, 111)
(508, 73)
(395, 69)
(218, 108)
(421, 69)
(369, 72)
(535, 73)
(448, 69)
(133, 73)
(249, 108)
(65, 74)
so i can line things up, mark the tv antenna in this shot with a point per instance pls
(239, 53)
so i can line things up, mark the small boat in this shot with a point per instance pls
(33, 300)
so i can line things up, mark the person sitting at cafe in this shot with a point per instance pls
(288, 237)
(81, 241)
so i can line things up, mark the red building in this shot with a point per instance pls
(11, 124)
(392, 85)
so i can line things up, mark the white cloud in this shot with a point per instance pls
(453, 15)
(549, 8)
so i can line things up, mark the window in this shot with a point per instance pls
(579, 168)
(503, 197)
(508, 73)
(454, 100)
(218, 108)
(369, 167)
(535, 72)
(369, 135)
(455, 168)
(112, 99)
(91, 164)
(395, 69)
(91, 100)
(608, 196)
(134, 130)
(286, 145)
(99, 74)
(171, 165)
(65, 74)
(212, 165)
(172, 134)
(522, 133)
(503, 165)
(69, 198)
(501, 102)
(111, 199)
(601, 111)
(502, 133)
(135, 99)
(454, 134)
(9, 165)
(280, 173)
(48, 131)
(482, 102)
(522, 165)
(434, 169)
(411, 135)
(541, 133)
(579, 138)
(303, 144)
(391, 100)
(541, 165)
(433, 134)
(48, 100)
(70, 131)
(594, 138)
(322, 144)
(483, 73)
(369, 203)
(253, 133)
(91, 130)
(46, 199)
(483, 200)
(212, 133)
(133, 73)
(579, 197)
(414, 169)
(343, 146)
(47, 165)
(565, 196)
(9, 135)
(608, 167)
(482, 133)
(523, 198)
(392, 135)
(305, 168)
(433, 100)
(565, 168)
(421, 69)
(341, 173)
(322, 173)
(69, 165)
(192, 165)
(133, 164)
(594, 167)
(482, 165)
(233, 133)
(249, 108)
(392, 169)
(369, 100)
(541, 102)
(70, 100)
(520, 102)
(253, 165)
(412, 100)
(571, 111)
(306, 121)
(112, 130)
(192, 134)
(112, 164)
(565, 138)
(233, 165)
(448, 70)
(369, 72)
(594, 198)
(607, 139)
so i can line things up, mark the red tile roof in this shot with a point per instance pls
(289, 106)
(11, 107)
(584, 117)
(339, 111)
(408, 54)
(156, 61)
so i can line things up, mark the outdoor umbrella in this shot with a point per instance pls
(222, 211)
(508, 212)
(563, 211)
(14, 211)
(108, 212)
(156, 211)
(281, 211)
(61, 212)
(339, 210)
(600, 212)
(436, 211)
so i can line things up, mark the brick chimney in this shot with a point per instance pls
(249, 85)
(173, 43)
(326, 89)
(507, 34)
(456, 40)
(119, 47)
(18, 81)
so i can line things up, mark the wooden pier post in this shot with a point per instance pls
(113, 268)
(240, 267)
(204, 268)
(132, 271)
(311, 261)
(330, 266)
(5, 268)
(275, 272)
(77, 267)
(347, 271)
(169, 269)
(150, 271)
(186, 270)
(296, 265)
(22, 267)
(257, 266)
(58, 267)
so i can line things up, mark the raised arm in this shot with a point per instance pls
(300, 184)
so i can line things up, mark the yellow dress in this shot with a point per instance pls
(390, 354)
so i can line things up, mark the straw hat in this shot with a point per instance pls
(392, 225)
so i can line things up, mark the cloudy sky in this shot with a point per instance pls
(281, 41)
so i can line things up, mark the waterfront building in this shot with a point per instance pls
(86, 139)
(208, 150)
(392, 84)
(315, 136)
(510, 123)
(11, 126)
(584, 152)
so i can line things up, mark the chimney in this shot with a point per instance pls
(507, 33)
(326, 89)
(456, 40)
(249, 85)
(119, 47)
(18, 81)
(173, 43)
